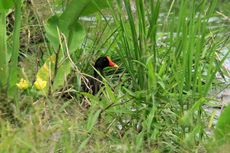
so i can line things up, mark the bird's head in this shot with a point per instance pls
(103, 62)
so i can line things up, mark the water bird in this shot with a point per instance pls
(93, 84)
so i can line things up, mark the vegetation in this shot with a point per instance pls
(169, 54)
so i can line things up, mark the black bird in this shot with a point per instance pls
(93, 84)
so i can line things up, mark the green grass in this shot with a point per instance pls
(168, 57)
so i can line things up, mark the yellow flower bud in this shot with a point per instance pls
(40, 84)
(23, 84)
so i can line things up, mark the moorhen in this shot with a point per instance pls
(93, 84)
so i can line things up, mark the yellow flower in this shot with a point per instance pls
(23, 84)
(40, 84)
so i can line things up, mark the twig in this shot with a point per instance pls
(83, 75)
(113, 105)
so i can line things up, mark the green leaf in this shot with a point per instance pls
(151, 74)
(46, 72)
(13, 66)
(222, 131)
(77, 8)
(110, 92)
(189, 139)
(150, 119)
(139, 141)
(83, 144)
(76, 37)
(3, 50)
(62, 73)
(72, 13)
(94, 6)
(68, 23)
(187, 118)
(92, 119)
(6, 4)
(93, 99)
(75, 34)
(51, 31)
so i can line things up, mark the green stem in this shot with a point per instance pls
(12, 90)
(3, 50)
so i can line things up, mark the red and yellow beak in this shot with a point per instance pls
(111, 63)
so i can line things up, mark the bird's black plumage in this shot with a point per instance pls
(93, 84)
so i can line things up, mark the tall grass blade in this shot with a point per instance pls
(13, 71)
(3, 50)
